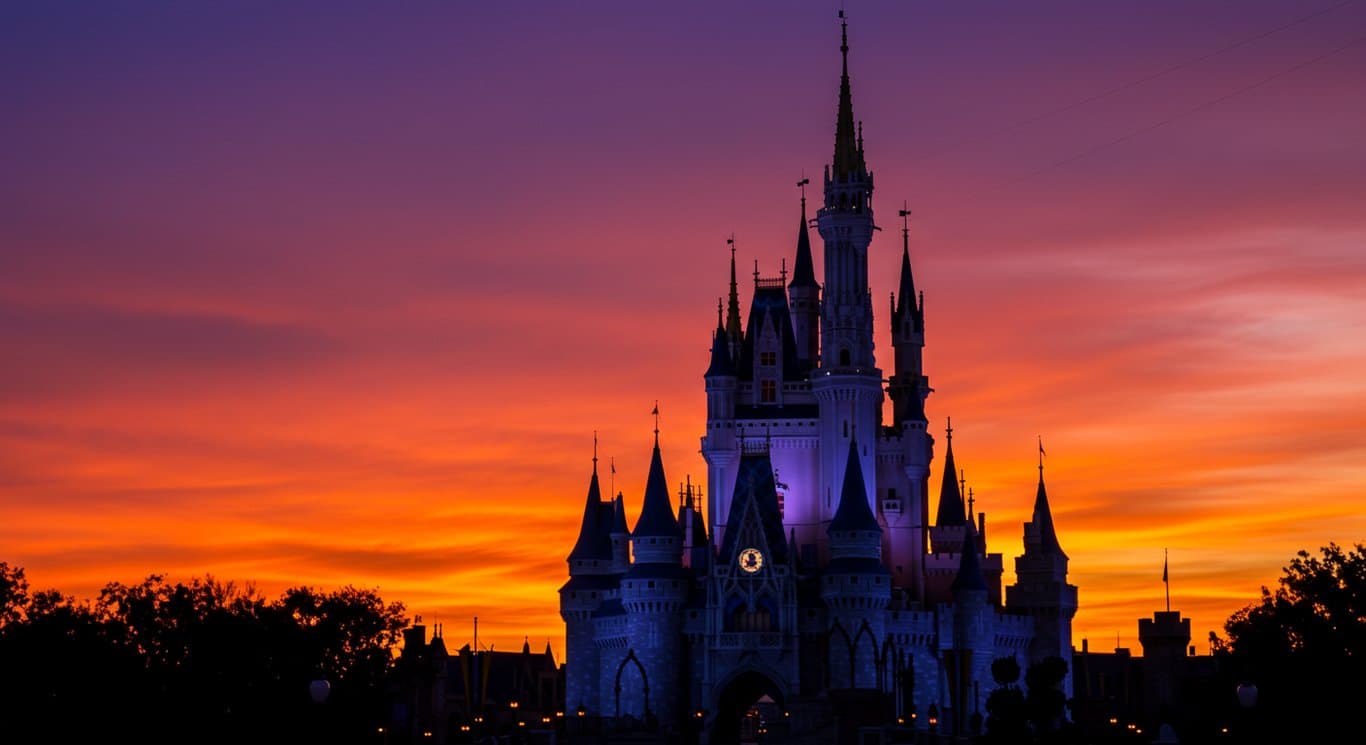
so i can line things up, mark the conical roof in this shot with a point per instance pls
(803, 269)
(594, 541)
(656, 515)
(1043, 522)
(853, 512)
(721, 364)
(950, 498)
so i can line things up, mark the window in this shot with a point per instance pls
(768, 359)
(844, 358)
(768, 391)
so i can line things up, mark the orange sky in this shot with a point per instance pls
(291, 298)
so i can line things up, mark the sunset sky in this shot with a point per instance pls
(335, 293)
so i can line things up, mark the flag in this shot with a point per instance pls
(1041, 452)
(655, 412)
(1164, 566)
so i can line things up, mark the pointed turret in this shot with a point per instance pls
(853, 512)
(594, 543)
(907, 311)
(656, 515)
(950, 498)
(1043, 522)
(803, 269)
(721, 364)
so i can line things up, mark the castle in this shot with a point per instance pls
(815, 579)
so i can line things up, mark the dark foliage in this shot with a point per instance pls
(198, 662)
(1033, 715)
(1304, 645)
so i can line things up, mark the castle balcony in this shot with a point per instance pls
(749, 640)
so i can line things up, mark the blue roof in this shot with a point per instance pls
(594, 541)
(754, 483)
(656, 515)
(853, 512)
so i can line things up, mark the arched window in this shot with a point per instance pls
(844, 357)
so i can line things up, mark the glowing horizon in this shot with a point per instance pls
(304, 297)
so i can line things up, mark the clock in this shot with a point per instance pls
(751, 560)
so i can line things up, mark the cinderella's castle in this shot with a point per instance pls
(815, 578)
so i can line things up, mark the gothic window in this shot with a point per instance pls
(768, 391)
(768, 359)
(844, 357)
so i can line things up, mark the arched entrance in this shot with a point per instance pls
(749, 703)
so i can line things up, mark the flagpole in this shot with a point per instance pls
(1166, 580)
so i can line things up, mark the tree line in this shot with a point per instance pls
(203, 661)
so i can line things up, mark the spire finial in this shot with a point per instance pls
(612, 478)
(733, 309)
(655, 412)
(905, 214)
(844, 35)
(595, 451)
(948, 428)
(1041, 455)
(970, 502)
(718, 313)
(802, 186)
(962, 480)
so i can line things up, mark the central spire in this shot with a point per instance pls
(848, 155)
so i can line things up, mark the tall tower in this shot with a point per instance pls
(905, 495)
(591, 564)
(652, 592)
(847, 384)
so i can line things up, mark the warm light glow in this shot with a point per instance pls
(309, 321)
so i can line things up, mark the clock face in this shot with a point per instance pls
(751, 560)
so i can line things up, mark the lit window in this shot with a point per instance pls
(768, 359)
(768, 391)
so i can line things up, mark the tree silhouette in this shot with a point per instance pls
(205, 662)
(1315, 621)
